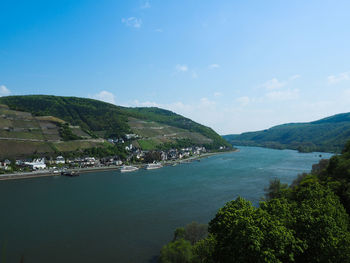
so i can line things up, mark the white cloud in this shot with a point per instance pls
(205, 102)
(282, 95)
(4, 91)
(294, 77)
(137, 103)
(243, 101)
(145, 5)
(334, 79)
(132, 22)
(273, 84)
(277, 91)
(181, 68)
(105, 96)
(214, 66)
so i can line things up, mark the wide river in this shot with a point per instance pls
(114, 217)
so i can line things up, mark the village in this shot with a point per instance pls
(136, 157)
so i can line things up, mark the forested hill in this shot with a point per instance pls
(326, 135)
(107, 120)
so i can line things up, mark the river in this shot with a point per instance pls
(114, 217)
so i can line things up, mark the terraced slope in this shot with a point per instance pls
(22, 134)
(106, 120)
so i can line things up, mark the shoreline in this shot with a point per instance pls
(38, 174)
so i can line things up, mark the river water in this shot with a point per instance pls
(114, 217)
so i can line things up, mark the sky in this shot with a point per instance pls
(235, 66)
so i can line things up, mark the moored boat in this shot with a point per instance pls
(125, 169)
(152, 166)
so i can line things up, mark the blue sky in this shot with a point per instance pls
(233, 65)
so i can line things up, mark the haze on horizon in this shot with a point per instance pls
(232, 65)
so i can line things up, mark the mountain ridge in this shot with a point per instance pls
(328, 134)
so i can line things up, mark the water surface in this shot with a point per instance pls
(114, 217)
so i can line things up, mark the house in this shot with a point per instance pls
(19, 162)
(5, 165)
(118, 162)
(90, 161)
(131, 136)
(37, 164)
(164, 156)
(128, 148)
(60, 160)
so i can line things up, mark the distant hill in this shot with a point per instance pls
(326, 135)
(155, 127)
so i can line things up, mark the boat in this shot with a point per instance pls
(125, 169)
(152, 166)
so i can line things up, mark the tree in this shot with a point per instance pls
(276, 189)
(203, 250)
(195, 232)
(322, 223)
(179, 251)
(247, 234)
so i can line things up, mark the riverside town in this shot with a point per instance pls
(54, 165)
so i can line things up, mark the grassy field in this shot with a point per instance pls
(69, 146)
(148, 144)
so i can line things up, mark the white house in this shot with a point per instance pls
(59, 160)
(90, 161)
(37, 164)
(118, 162)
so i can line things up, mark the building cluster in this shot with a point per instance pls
(168, 155)
(83, 162)
(60, 161)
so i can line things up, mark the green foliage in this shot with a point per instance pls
(185, 246)
(103, 151)
(204, 249)
(180, 143)
(322, 224)
(179, 251)
(147, 145)
(326, 135)
(276, 189)
(309, 226)
(153, 156)
(195, 232)
(106, 151)
(247, 234)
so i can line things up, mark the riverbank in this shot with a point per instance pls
(45, 173)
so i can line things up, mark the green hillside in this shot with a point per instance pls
(23, 135)
(105, 120)
(326, 135)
